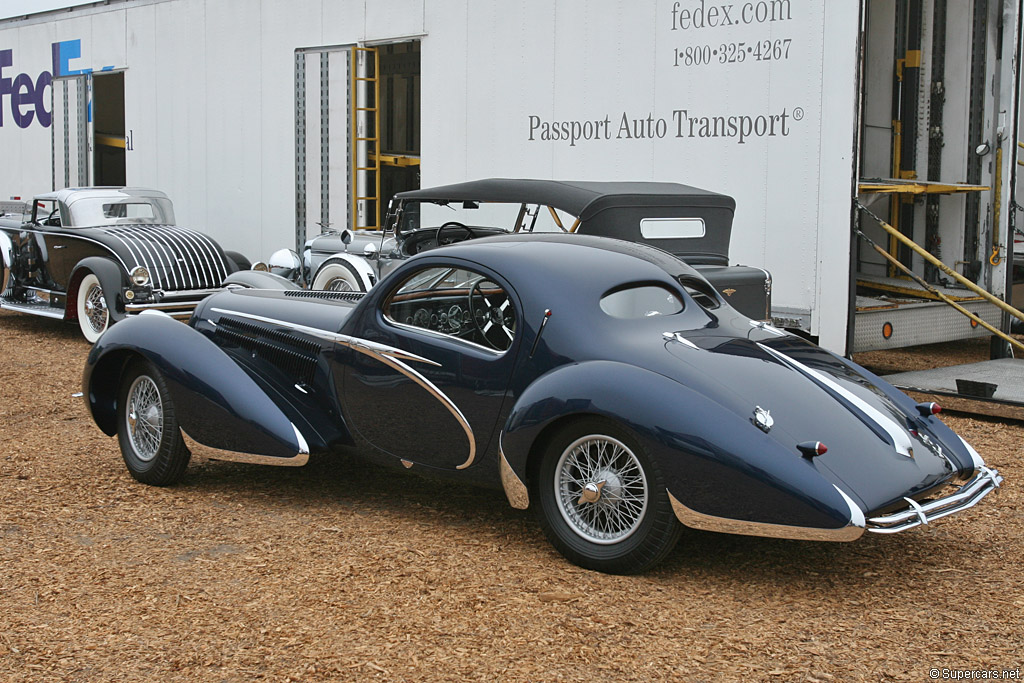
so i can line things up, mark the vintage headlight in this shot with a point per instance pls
(139, 276)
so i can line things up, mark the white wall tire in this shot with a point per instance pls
(93, 314)
(338, 276)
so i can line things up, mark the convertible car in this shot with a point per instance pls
(602, 382)
(694, 225)
(97, 254)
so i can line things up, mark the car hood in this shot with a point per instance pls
(177, 258)
(880, 449)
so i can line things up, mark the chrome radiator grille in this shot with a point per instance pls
(177, 258)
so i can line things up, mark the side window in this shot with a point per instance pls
(457, 303)
(47, 213)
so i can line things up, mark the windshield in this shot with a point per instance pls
(92, 211)
(504, 216)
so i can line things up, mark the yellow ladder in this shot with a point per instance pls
(362, 109)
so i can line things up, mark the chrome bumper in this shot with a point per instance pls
(968, 495)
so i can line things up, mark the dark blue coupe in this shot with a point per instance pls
(605, 383)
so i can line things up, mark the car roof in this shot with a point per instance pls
(70, 194)
(582, 198)
(539, 261)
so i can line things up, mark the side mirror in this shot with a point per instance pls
(370, 251)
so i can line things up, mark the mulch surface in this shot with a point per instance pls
(344, 571)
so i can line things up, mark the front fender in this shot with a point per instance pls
(111, 278)
(360, 264)
(716, 464)
(257, 279)
(217, 403)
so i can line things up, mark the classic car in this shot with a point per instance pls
(97, 254)
(693, 224)
(603, 382)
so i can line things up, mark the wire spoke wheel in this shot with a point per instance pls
(145, 418)
(601, 489)
(601, 497)
(147, 427)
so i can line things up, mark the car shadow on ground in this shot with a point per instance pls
(339, 485)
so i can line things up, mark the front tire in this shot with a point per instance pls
(93, 313)
(147, 428)
(602, 500)
(338, 276)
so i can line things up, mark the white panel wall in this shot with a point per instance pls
(209, 103)
(571, 62)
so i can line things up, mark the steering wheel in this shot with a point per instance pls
(492, 313)
(451, 240)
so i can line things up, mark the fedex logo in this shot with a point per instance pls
(26, 97)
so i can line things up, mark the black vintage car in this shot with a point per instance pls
(694, 225)
(604, 383)
(96, 254)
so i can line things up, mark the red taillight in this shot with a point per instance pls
(812, 449)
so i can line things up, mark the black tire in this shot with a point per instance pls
(147, 429)
(627, 525)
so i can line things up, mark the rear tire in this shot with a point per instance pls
(147, 428)
(93, 313)
(338, 276)
(602, 500)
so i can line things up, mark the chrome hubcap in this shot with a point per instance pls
(96, 309)
(600, 489)
(145, 418)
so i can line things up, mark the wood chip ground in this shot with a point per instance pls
(343, 571)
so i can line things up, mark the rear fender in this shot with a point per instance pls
(716, 464)
(218, 404)
(111, 279)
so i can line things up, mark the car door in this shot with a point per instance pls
(438, 352)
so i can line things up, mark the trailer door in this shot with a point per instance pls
(70, 151)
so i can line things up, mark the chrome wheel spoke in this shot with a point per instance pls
(144, 418)
(601, 489)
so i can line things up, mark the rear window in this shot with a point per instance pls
(641, 301)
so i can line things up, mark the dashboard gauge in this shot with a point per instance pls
(455, 318)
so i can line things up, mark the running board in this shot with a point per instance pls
(43, 309)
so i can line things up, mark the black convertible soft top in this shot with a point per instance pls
(609, 209)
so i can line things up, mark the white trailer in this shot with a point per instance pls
(269, 121)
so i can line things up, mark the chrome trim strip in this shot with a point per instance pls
(170, 255)
(182, 237)
(189, 245)
(56, 313)
(139, 246)
(297, 460)
(975, 456)
(698, 520)
(900, 438)
(390, 356)
(677, 337)
(967, 496)
(515, 490)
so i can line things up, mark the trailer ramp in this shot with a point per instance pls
(992, 387)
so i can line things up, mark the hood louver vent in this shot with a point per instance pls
(296, 357)
(353, 297)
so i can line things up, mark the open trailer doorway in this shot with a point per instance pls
(357, 134)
